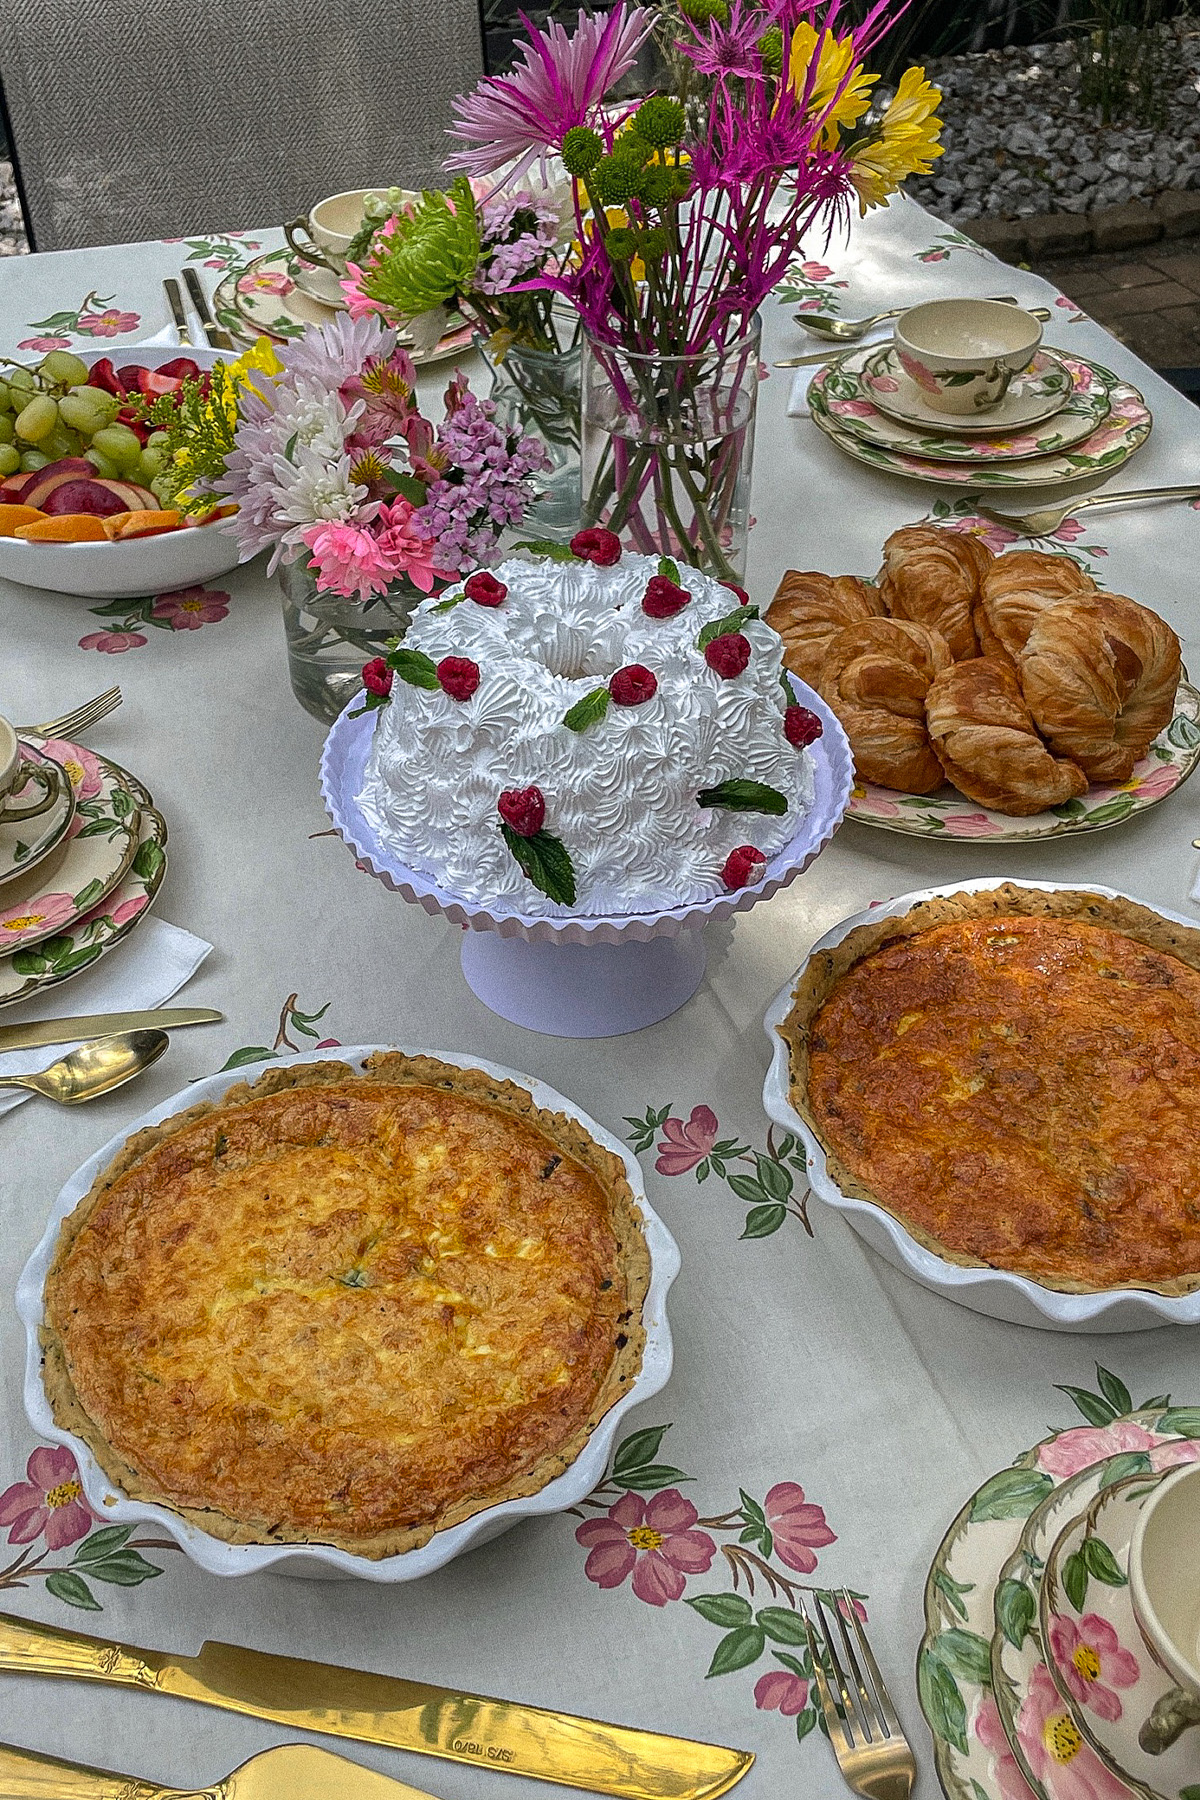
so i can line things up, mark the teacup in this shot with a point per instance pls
(963, 354)
(17, 773)
(326, 234)
(1164, 1575)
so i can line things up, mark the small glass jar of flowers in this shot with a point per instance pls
(364, 504)
(689, 208)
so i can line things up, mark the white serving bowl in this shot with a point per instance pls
(324, 1561)
(153, 565)
(996, 1292)
(1164, 1575)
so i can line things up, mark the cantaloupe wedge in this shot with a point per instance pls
(64, 528)
(142, 523)
(13, 515)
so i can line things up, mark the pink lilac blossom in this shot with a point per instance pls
(1093, 1662)
(654, 1540)
(49, 1503)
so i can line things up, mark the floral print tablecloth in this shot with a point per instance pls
(826, 1416)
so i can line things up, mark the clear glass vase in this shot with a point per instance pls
(668, 450)
(537, 393)
(329, 638)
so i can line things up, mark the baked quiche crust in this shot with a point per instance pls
(888, 1138)
(434, 1302)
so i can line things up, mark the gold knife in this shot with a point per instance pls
(216, 334)
(65, 1031)
(386, 1709)
(292, 1772)
(178, 313)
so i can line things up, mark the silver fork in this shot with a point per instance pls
(872, 1751)
(81, 719)
(1045, 519)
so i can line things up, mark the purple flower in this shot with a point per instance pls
(559, 80)
(487, 489)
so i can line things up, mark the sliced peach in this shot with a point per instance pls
(225, 511)
(142, 523)
(13, 515)
(64, 528)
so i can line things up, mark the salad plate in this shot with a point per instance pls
(268, 297)
(24, 843)
(100, 846)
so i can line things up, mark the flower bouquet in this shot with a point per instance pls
(688, 211)
(335, 471)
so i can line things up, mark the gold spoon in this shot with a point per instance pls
(95, 1068)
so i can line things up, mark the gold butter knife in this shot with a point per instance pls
(178, 311)
(66, 1031)
(386, 1709)
(292, 1772)
(216, 334)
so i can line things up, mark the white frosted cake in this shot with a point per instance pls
(558, 738)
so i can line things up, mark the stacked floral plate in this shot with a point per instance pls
(1064, 419)
(79, 877)
(1033, 1675)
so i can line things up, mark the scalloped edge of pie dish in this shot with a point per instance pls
(997, 1293)
(343, 764)
(327, 1561)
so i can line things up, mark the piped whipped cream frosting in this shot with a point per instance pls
(622, 793)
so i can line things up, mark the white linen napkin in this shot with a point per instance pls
(798, 398)
(161, 339)
(155, 964)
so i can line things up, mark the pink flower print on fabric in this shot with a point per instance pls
(687, 1145)
(49, 1503)
(187, 609)
(996, 537)
(797, 1526)
(1090, 1657)
(1056, 1753)
(653, 1540)
(108, 324)
(112, 643)
(781, 1691)
(45, 343)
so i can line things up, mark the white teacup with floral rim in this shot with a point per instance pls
(1164, 1578)
(18, 773)
(963, 354)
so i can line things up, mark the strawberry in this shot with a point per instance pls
(103, 375)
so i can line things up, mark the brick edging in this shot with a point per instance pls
(1174, 214)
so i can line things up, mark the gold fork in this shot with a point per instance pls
(72, 723)
(872, 1751)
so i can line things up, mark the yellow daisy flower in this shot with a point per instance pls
(906, 143)
(835, 64)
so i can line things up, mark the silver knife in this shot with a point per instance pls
(216, 334)
(175, 302)
(66, 1031)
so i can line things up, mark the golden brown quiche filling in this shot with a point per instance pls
(350, 1309)
(1019, 1091)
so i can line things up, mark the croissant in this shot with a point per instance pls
(1017, 590)
(1099, 674)
(875, 677)
(987, 743)
(809, 608)
(932, 576)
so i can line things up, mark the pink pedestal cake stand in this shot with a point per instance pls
(587, 976)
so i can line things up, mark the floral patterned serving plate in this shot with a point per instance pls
(1114, 440)
(1042, 1732)
(1038, 393)
(101, 844)
(1171, 759)
(1097, 1658)
(954, 1679)
(24, 843)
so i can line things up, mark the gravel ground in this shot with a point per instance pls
(1017, 141)
(12, 232)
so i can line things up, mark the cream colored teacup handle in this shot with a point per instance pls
(308, 252)
(11, 814)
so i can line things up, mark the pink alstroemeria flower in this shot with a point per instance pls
(28, 918)
(112, 643)
(653, 1540)
(687, 1145)
(797, 1526)
(187, 609)
(49, 1502)
(1056, 1753)
(781, 1691)
(108, 324)
(1093, 1662)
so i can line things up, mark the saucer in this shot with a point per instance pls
(1099, 1663)
(319, 284)
(24, 843)
(1037, 393)
(100, 846)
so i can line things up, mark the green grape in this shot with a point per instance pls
(61, 367)
(21, 378)
(7, 428)
(119, 444)
(149, 464)
(37, 418)
(160, 487)
(102, 464)
(60, 442)
(85, 413)
(157, 440)
(10, 459)
(6, 398)
(32, 460)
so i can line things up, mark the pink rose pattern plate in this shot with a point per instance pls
(1039, 392)
(1096, 1656)
(973, 1756)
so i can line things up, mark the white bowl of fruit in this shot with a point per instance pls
(83, 508)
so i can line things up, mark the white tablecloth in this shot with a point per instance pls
(799, 1359)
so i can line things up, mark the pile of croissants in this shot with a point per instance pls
(1013, 676)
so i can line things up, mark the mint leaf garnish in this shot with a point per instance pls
(588, 711)
(562, 553)
(547, 862)
(414, 667)
(731, 622)
(669, 570)
(448, 605)
(744, 796)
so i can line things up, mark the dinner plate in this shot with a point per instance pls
(998, 1293)
(954, 1678)
(1115, 439)
(25, 842)
(1037, 393)
(325, 1561)
(1094, 1649)
(851, 403)
(948, 815)
(99, 849)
